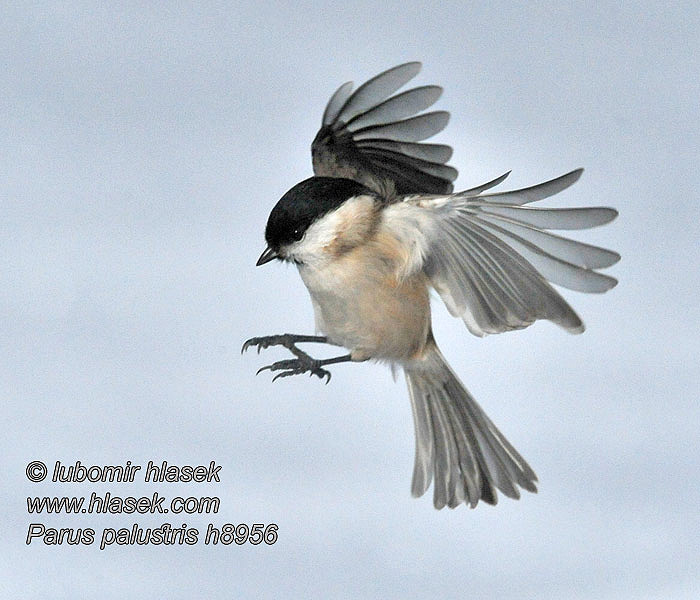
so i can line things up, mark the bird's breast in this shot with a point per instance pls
(361, 301)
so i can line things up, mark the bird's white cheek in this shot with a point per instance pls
(311, 249)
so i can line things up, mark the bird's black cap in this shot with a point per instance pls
(305, 203)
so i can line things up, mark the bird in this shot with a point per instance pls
(378, 228)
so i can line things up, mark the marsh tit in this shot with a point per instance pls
(378, 226)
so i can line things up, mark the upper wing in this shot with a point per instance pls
(491, 258)
(372, 137)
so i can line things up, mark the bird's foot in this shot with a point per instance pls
(303, 363)
(288, 340)
(297, 366)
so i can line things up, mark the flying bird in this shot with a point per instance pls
(378, 226)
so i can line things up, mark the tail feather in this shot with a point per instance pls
(457, 445)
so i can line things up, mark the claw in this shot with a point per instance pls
(296, 366)
(248, 343)
(260, 342)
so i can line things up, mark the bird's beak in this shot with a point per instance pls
(268, 255)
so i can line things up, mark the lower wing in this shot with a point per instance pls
(492, 258)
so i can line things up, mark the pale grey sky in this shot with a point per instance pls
(143, 146)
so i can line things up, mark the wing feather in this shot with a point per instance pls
(578, 253)
(484, 186)
(533, 193)
(437, 153)
(414, 129)
(549, 218)
(336, 102)
(398, 107)
(377, 89)
(431, 168)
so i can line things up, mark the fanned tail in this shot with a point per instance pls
(457, 445)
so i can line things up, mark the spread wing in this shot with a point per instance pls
(373, 136)
(492, 258)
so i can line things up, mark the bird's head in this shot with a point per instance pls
(318, 217)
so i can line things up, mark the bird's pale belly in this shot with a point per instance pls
(360, 304)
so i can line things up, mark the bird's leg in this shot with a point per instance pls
(295, 366)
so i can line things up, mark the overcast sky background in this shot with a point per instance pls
(143, 147)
